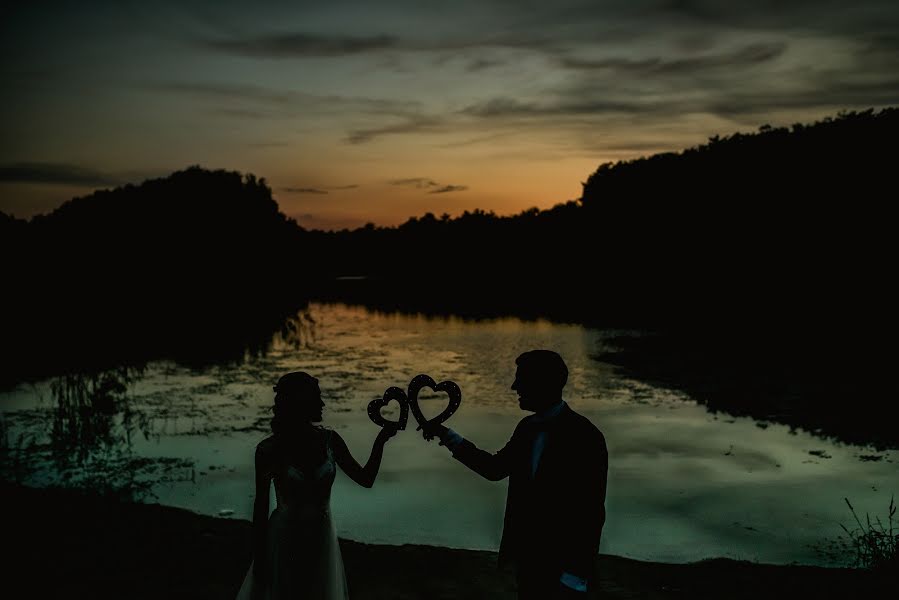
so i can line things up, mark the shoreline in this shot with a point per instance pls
(66, 543)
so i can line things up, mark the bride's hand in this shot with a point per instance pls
(385, 434)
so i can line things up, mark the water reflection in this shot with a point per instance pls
(825, 391)
(85, 438)
(92, 414)
(684, 483)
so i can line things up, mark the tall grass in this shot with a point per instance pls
(876, 545)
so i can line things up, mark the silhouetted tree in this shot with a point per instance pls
(200, 265)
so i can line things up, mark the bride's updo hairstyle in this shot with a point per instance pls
(295, 395)
(297, 399)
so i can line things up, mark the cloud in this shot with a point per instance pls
(508, 107)
(745, 83)
(417, 182)
(426, 183)
(319, 190)
(839, 96)
(257, 102)
(305, 190)
(748, 55)
(481, 64)
(299, 44)
(37, 172)
(449, 188)
(578, 74)
(411, 125)
(279, 102)
(230, 91)
(639, 63)
(306, 44)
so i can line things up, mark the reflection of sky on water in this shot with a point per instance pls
(684, 484)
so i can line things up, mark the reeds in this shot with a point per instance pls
(875, 544)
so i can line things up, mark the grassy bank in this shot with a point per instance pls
(73, 545)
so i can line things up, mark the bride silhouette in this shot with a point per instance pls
(295, 550)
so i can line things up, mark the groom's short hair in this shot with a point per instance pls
(548, 365)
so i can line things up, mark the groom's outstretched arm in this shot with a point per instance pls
(489, 466)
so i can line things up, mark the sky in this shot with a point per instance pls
(357, 111)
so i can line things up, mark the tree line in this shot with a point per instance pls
(770, 247)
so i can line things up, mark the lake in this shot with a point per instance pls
(684, 483)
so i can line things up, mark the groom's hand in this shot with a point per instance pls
(261, 580)
(429, 432)
(566, 593)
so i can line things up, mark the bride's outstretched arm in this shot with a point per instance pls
(260, 512)
(364, 476)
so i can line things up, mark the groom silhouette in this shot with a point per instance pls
(556, 462)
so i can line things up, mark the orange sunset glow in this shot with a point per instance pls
(355, 114)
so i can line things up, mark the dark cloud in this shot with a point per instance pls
(509, 107)
(300, 44)
(830, 15)
(230, 91)
(295, 190)
(279, 102)
(417, 182)
(619, 19)
(304, 44)
(426, 183)
(449, 188)
(35, 172)
(734, 60)
(320, 190)
(749, 55)
(411, 125)
(850, 94)
(689, 25)
(479, 139)
(481, 64)
(737, 104)
(743, 84)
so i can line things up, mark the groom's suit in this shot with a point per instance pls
(555, 508)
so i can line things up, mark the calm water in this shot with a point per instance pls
(683, 484)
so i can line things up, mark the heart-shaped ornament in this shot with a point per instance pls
(375, 406)
(452, 390)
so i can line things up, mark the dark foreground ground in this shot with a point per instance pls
(62, 544)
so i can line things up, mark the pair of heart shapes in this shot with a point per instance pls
(410, 401)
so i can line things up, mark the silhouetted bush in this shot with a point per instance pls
(876, 544)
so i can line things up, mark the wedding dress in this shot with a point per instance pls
(303, 553)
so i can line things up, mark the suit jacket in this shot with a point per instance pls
(554, 517)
